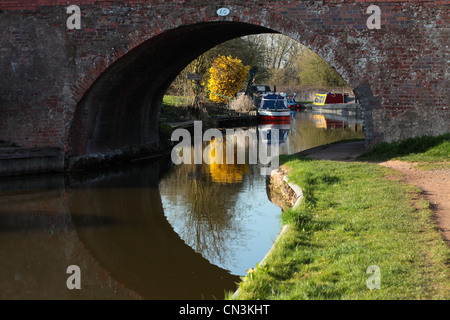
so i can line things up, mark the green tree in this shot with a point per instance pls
(279, 60)
(314, 71)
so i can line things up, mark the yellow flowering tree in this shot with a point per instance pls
(226, 76)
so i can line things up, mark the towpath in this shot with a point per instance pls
(434, 183)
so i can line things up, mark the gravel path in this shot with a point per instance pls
(434, 183)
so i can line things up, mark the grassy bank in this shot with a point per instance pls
(354, 215)
(422, 149)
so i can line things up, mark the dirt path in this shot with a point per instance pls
(436, 188)
(434, 183)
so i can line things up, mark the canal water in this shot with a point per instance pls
(149, 230)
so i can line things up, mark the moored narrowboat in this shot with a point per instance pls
(335, 101)
(274, 107)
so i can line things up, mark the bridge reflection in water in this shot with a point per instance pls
(144, 231)
(114, 228)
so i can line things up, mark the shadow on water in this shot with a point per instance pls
(112, 225)
(143, 251)
(40, 220)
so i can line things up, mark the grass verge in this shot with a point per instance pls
(173, 100)
(352, 217)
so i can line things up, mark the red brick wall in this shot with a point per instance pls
(33, 4)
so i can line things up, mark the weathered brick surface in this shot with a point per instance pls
(98, 89)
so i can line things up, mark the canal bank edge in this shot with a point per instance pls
(284, 194)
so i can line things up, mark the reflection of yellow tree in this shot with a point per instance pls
(320, 121)
(228, 173)
(224, 172)
(208, 216)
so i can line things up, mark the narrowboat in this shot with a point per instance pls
(294, 105)
(274, 108)
(335, 101)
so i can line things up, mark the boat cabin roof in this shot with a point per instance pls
(274, 101)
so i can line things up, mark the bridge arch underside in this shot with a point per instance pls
(121, 108)
(98, 90)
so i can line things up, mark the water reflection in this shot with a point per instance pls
(268, 130)
(113, 227)
(222, 210)
(230, 170)
(149, 231)
(311, 129)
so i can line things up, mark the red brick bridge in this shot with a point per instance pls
(97, 90)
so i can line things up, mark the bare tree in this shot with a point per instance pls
(281, 51)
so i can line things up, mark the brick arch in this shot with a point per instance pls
(53, 78)
(123, 91)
